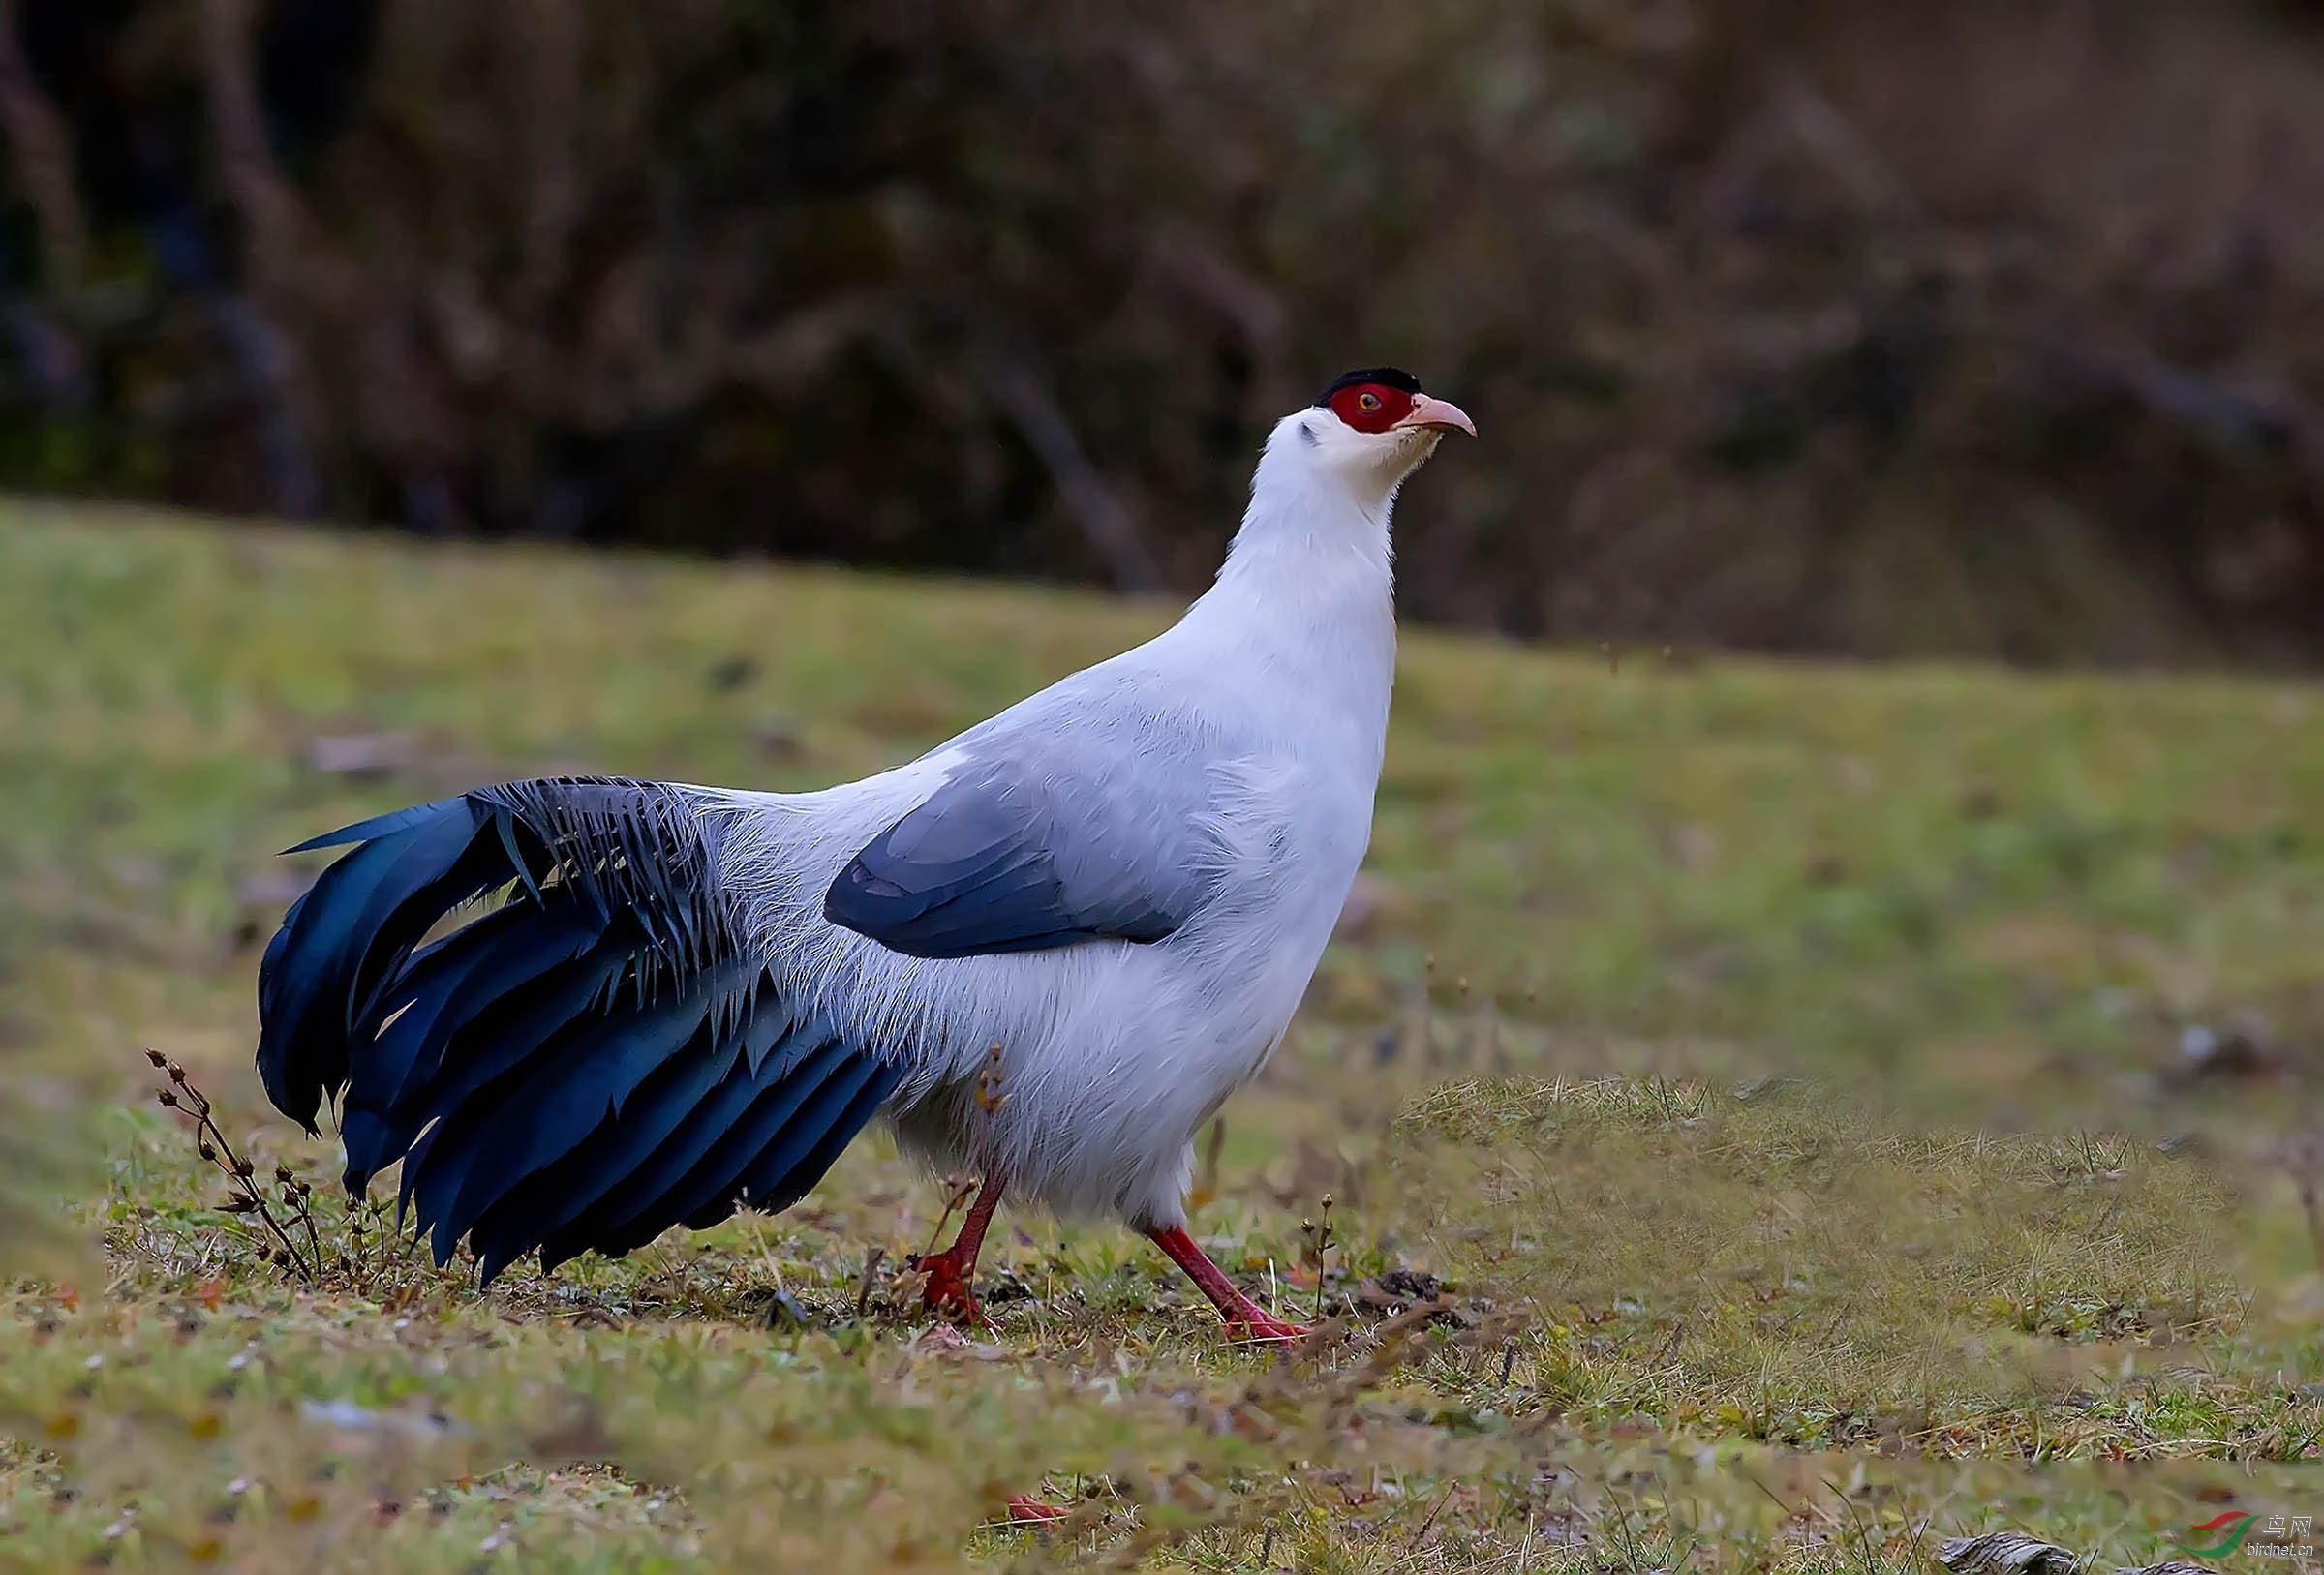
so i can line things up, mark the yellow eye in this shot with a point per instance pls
(1367, 401)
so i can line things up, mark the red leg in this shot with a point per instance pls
(1246, 1320)
(952, 1273)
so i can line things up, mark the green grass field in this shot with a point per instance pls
(1781, 1067)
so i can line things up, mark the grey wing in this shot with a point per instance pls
(1039, 847)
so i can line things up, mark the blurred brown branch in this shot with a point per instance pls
(42, 145)
(1038, 419)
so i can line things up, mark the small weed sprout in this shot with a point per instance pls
(2303, 1157)
(1632, 1552)
(284, 1205)
(1318, 1240)
(212, 1144)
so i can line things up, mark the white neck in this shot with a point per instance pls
(1307, 595)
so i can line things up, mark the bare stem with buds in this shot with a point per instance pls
(211, 1142)
(1319, 1241)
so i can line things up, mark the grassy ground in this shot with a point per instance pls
(1784, 1069)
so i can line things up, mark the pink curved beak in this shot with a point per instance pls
(1440, 413)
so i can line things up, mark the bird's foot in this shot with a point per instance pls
(1253, 1325)
(1247, 1322)
(949, 1292)
(1026, 1510)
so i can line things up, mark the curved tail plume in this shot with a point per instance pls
(580, 1067)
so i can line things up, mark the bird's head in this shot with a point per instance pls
(1371, 429)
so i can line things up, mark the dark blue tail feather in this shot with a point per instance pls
(789, 1168)
(643, 1193)
(787, 1147)
(604, 1164)
(557, 1100)
(587, 1064)
(796, 1100)
(450, 983)
(309, 990)
(499, 1036)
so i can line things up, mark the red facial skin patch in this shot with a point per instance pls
(1371, 406)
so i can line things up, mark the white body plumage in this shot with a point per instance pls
(1274, 687)
(679, 1000)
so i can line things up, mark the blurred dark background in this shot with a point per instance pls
(1869, 326)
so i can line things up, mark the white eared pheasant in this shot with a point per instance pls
(691, 999)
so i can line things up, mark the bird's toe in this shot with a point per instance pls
(949, 1292)
(1026, 1510)
(1257, 1329)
